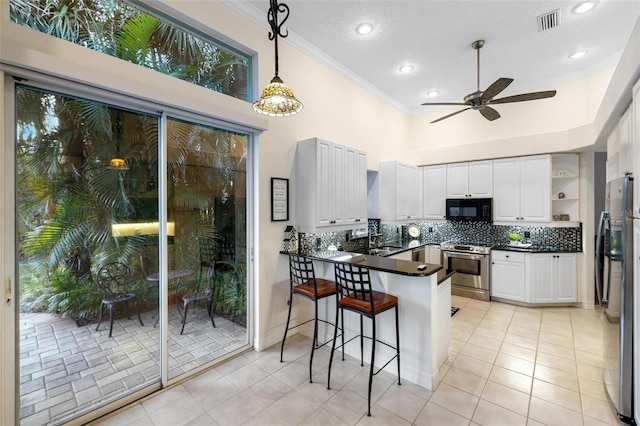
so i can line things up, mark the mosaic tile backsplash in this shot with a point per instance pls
(563, 239)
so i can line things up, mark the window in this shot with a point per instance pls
(118, 29)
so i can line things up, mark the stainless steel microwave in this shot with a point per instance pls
(469, 209)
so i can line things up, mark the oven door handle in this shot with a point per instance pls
(460, 255)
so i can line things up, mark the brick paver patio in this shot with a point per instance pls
(66, 369)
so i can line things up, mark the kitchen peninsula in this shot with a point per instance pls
(424, 309)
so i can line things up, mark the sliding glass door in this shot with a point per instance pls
(110, 305)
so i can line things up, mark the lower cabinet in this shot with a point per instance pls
(508, 276)
(553, 278)
(534, 277)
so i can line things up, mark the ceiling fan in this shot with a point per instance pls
(480, 100)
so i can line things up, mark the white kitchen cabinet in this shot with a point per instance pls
(331, 190)
(522, 189)
(553, 278)
(508, 276)
(625, 164)
(433, 254)
(400, 191)
(356, 181)
(434, 192)
(472, 179)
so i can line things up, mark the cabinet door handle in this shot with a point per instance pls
(507, 256)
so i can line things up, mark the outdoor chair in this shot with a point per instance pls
(113, 279)
(206, 294)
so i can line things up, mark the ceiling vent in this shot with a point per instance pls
(549, 20)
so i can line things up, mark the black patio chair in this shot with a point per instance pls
(113, 279)
(205, 294)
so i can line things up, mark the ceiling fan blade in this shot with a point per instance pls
(498, 86)
(489, 113)
(524, 97)
(444, 103)
(450, 115)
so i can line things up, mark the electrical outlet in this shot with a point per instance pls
(527, 234)
(430, 229)
(318, 242)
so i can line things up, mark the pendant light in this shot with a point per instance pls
(118, 163)
(277, 98)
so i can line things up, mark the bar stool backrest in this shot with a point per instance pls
(301, 271)
(354, 282)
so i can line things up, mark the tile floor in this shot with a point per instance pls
(508, 365)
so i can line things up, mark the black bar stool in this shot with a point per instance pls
(303, 282)
(356, 295)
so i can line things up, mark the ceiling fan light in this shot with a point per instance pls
(433, 93)
(584, 7)
(579, 54)
(364, 28)
(406, 68)
(277, 100)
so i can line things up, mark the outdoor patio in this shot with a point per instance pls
(66, 369)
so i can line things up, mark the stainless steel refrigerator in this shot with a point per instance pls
(615, 292)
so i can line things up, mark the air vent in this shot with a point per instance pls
(549, 20)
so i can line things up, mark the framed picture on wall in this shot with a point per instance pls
(279, 199)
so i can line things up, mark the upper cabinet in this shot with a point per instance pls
(635, 141)
(400, 191)
(331, 186)
(473, 179)
(521, 189)
(434, 191)
(565, 187)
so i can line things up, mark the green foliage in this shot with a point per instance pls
(61, 293)
(232, 298)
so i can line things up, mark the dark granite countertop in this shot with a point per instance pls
(379, 263)
(534, 249)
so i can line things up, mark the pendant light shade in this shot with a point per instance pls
(277, 98)
(118, 164)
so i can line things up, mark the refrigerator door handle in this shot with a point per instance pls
(599, 288)
(605, 299)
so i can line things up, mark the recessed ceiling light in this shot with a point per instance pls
(584, 7)
(406, 68)
(579, 54)
(364, 29)
(433, 93)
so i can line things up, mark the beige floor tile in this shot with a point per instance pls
(485, 342)
(322, 417)
(517, 351)
(523, 322)
(552, 414)
(458, 301)
(589, 358)
(556, 339)
(530, 342)
(479, 304)
(588, 346)
(488, 414)
(599, 410)
(455, 400)
(379, 417)
(512, 379)
(555, 330)
(593, 388)
(216, 393)
(493, 333)
(236, 410)
(460, 334)
(589, 371)
(263, 418)
(564, 364)
(557, 377)
(292, 408)
(515, 364)
(177, 412)
(523, 331)
(402, 403)
(433, 415)
(247, 376)
(267, 391)
(457, 345)
(557, 350)
(472, 365)
(204, 420)
(588, 421)
(479, 352)
(556, 394)
(506, 397)
(465, 381)
(348, 406)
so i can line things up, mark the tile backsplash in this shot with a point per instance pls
(564, 239)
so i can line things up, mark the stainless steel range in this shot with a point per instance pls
(472, 266)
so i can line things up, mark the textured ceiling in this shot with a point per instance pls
(436, 36)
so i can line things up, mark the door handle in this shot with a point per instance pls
(8, 291)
